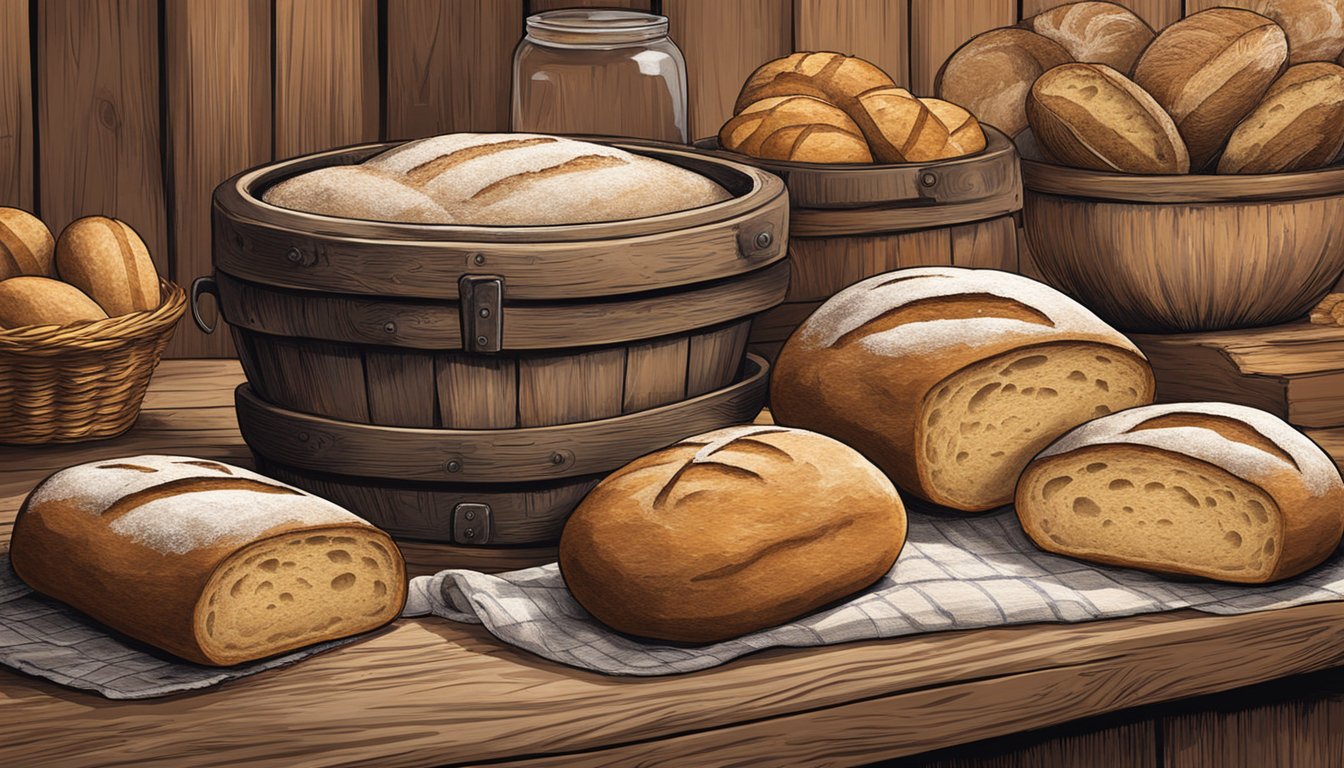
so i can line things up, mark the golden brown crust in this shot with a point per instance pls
(26, 245)
(826, 75)
(992, 72)
(1095, 32)
(751, 130)
(965, 137)
(1298, 126)
(899, 127)
(107, 260)
(29, 300)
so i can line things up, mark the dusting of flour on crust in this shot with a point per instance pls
(1318, 471)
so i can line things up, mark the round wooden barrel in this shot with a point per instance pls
(1187, 253)
(850, 222)
(476, 337)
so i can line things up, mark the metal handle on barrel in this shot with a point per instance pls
(199, 286)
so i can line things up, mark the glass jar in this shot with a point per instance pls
(599, 71)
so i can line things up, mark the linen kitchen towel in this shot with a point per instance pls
(956, 572)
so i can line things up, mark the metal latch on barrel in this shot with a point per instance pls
(482, 300)
(471, 523)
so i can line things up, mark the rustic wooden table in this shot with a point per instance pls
(430, 692)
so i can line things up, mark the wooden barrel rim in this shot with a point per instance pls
(805, 222)
(526, 326)
(823, 186)
(314, 443)
(1064, 181)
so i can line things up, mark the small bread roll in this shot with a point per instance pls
(1208, 71)
(1095, 33)
(1299, 125)
(991, 74)
(964, 134)
(829, 76)
(899, 127)
(26, 245)
(106, 259)
(731, 532)
(1315, 28)
(30, 300)
(1199, 489)
(835, 138)
(1091, 116)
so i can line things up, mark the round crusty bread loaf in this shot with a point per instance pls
(506, 179)
(797, 128)
(965, 137)
(1202, 489)
(1315, 28)
(1298, 126)
(825, 75)
(29, 300)
(26, 245)
(1208, 71)
(951, 379)
(106, 259)
(731, 532)
(1095, 32)
(900, 128)
(991, 73)
(207, 561)
(1091, 116)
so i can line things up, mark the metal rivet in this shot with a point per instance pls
(390, 327)
(454, 465)
(928, 179)
(470, 515)
(294, 255)
(482, 341)
(557, 458)
(479, 259)
(303, 437)
(471, 533)
(764, 240)
(485, 311)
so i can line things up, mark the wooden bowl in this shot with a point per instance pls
(1187, 253)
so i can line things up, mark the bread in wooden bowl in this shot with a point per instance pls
(965, 136)
(825, 75)
(1208, 71)
(29, 300)
(991, 74)
(1091, 116)
(208, 561)
(1315, 28)
(106, 259)
(1095, 32)
(798, 128)
(951, 379)
(1298, 126)
(1212, 490)
(26, 245)
(900, 128)
(731, 532)
(357, 192)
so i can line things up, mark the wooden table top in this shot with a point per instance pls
(428, 692)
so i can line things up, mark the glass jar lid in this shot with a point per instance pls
(595, 28)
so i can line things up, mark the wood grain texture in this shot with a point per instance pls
(1332, 440)
(1158, 13)
(476, 391)
(539, 6)
(1308, 733)
(16, 107)
(326, 74)
(400, 388)
(723, 43)
(449, 65)
(988, 244)
(655, 373)
(312, 376)
(875, 30)
(570, 386)
(1195, 6)
(1122, 746)
(939, 27)
(218, 70)
(715, 357)
(98, 114)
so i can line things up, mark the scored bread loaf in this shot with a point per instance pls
(1298, 126)
(1202, 489)
(1095, 32)
(965, 136)
(825, 75)
(29, 300)
(1208, 71)
(951, 379)
(798, 128)
(731, 532)
(1091, 116)
(992, 72)
(106, 259)
(502, 179)
(26, 245)
(1315, 28)
(899, 127)
(207, 561)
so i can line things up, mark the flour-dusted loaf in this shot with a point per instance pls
(499, 179)
(1202, 489)
(731, 532)
(208, 561)
(951, 379)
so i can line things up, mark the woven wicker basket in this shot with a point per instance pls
(82, 382)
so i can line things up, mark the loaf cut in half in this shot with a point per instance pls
(208, 561)
(951, 379)
(731, 532)
(499, 179)
(1202, 489)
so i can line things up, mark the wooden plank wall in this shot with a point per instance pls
(137, 108)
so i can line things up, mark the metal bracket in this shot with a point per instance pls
(757, 240)
(472, 523)
(482, 301)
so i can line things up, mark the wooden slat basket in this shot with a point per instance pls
(850, 222)
(466, 385)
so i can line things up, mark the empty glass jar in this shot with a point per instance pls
(600, 71)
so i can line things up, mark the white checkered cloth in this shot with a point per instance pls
(956, 572)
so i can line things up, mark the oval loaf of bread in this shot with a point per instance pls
(825, 75)
(1208, 71)
(26, 245)
(207, 561)
(731, 532)
(798, 128)
(1203, 489)
(106, 259)
(1315, 28)
(1298, 126)
(30, 300)
(951, 379)
(900, 128)
(1095, 32)
(1091, 116)
(500, 179)
(992, 72)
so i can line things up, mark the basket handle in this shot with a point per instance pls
(199, 286)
